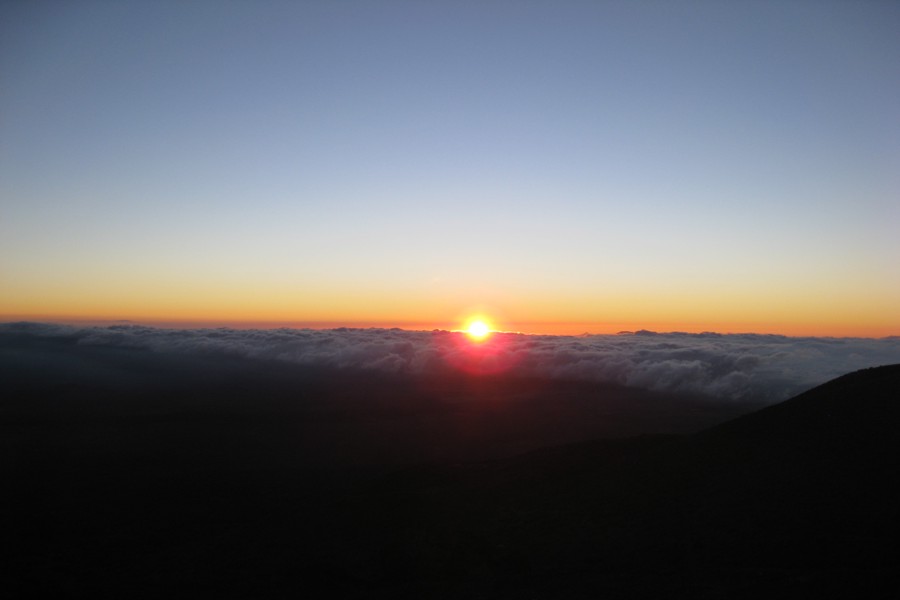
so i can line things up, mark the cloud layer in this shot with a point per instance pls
(764, 368)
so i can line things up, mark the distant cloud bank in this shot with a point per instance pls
(764, 368)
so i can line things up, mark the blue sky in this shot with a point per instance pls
(555, 160)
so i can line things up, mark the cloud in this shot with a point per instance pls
(764, 368)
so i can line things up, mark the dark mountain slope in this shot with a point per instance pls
(817, 474)
(795, 499)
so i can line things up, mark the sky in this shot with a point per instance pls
(559, 167)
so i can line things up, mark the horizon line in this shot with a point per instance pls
(554, 328)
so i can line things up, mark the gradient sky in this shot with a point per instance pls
(560, 166)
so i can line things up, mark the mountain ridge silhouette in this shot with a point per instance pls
(793, 499)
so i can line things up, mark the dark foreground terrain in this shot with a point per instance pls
(132, 474)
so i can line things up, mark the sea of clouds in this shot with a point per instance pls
(764, 368)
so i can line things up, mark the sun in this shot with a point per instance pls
(478, 329)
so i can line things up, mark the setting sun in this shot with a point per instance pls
(478, 329)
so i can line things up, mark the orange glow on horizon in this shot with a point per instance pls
(211, 300)
(598, 327)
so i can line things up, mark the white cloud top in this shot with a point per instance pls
(765, 368)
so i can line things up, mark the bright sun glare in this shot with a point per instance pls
(478, 330)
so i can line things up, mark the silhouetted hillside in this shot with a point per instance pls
(188, 489)
(794, 499)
